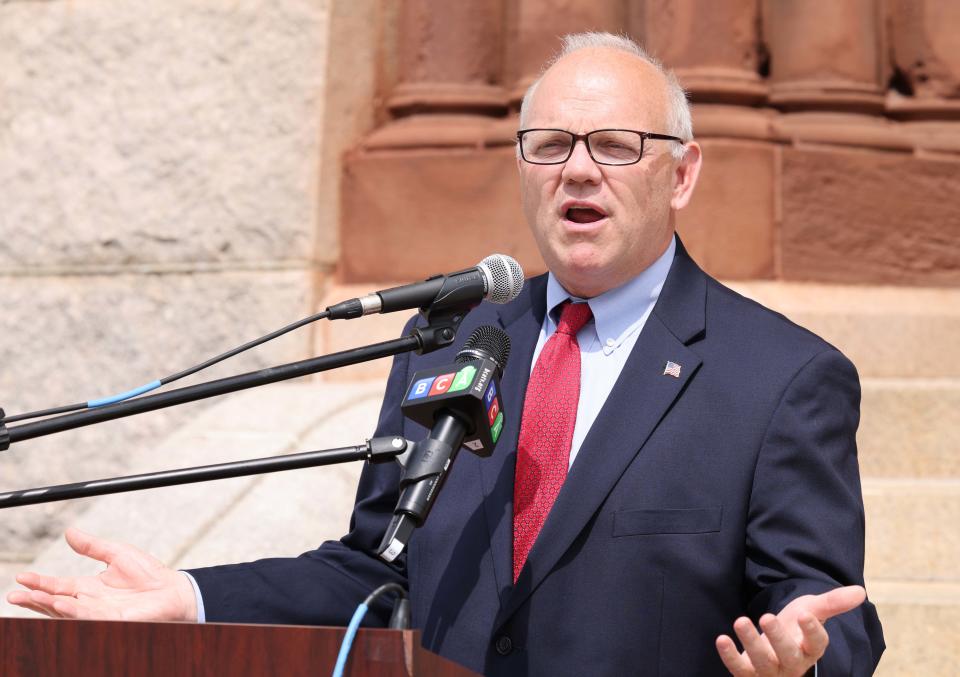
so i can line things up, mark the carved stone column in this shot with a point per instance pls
(825, 55)
(450, 58)
(926, 58)
(713, 47)
(923, 34)
(535, 26)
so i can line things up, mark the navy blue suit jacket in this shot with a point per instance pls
(730, 490)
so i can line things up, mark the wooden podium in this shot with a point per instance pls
(45, 647)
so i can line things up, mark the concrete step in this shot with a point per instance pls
(886, 331)
(913, 529)
(920, 621)
(910, 427)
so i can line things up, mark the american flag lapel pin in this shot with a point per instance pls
(672, 369)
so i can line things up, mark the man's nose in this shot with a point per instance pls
(580, 167)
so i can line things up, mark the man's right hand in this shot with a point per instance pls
(134, 587)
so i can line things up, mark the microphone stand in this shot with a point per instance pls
(376, 450)
(440, 331)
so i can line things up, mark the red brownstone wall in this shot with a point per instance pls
(831, 134)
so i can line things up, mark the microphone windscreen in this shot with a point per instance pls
(486, 342)
(504, 276)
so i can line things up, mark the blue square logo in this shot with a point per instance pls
(420, 388)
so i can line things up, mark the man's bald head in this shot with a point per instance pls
(664, 89)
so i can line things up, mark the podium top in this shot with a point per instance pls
(40, 647)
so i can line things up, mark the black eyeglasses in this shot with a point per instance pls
(605, 146)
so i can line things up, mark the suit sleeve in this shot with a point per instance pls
(805, 529)
(323, 586)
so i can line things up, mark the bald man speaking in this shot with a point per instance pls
(683, 470)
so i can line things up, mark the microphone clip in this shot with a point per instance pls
(441, 329)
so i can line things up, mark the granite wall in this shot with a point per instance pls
(169, 182)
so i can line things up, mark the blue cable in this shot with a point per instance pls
(348, 639)
(103, 401)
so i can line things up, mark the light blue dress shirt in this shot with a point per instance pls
(607, 340)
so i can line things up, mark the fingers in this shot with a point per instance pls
(837, 601)
(757, 647)
(50, 584)
(791, 654)
(738, 664)
(90, 546)
(35, 600)
(815, 637)
(60, 606)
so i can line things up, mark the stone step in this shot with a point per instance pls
(910, 427)
(886, 331)
(920, 621)
(912, 529)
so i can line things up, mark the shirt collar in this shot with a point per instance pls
(618, 312)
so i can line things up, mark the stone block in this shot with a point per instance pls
(729, 226)
(411, 214)
(910, 428)
(159, 132)
(346, 334)
(886, 331)
(869, 217)
(920, 622)
(911, 529)
(72, 339)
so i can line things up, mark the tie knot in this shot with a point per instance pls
(572, 317)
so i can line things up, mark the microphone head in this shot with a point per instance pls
(486, 343)
(504, 277)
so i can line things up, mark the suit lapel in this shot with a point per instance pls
(641, 397)
(522, 319)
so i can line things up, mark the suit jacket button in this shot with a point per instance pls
(503, 645)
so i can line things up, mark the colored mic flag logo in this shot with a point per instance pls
(445, 383)
(420, 388)
(493, 411)
(463, 379)
(441, 384)
(491, 393)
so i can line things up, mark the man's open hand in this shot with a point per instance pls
(792, 641)
(134, 587)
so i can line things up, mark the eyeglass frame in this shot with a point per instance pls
(584, 137)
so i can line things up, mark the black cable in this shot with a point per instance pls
(246, 346)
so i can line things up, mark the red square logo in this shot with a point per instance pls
(494, 410)
(442, 384)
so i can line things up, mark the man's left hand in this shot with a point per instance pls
(792, 641)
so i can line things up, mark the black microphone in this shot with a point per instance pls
(498, 278)
(461, 405)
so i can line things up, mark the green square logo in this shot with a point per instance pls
(497, 428)
(463, 379)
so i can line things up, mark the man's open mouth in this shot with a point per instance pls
(583, 215)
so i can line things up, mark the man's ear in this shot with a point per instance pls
(685, 176)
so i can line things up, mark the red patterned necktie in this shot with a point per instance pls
(546, 430)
